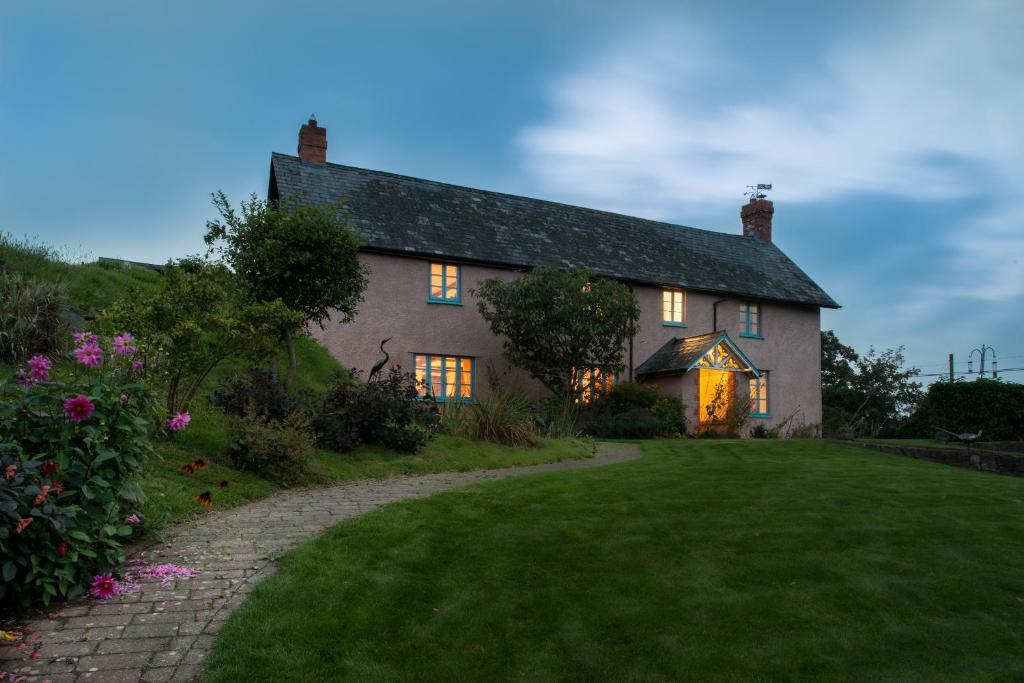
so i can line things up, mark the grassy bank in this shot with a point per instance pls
(757, 560)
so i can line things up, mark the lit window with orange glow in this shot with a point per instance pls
(445, 283)
(750, 320)
(759, 395)
(592, 382)
(444, 378)
(673, 307)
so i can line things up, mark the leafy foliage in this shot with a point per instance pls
(194, 321)
(260, 394)
(70, 452)
(864, 395)
(632, 410)
(383, 411)
(304, 255)
(994, 407)
(31, 317)
(277, 450)
(557, 323)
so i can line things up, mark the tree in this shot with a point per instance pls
(865, 395)
(555, 324)
(195, 320)
(304, 255)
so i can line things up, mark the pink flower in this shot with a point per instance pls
(79, 407)
(25, 379)
(178, 422)
(122, 345)
(133, 519)
(83, 337)
(104, 587)
(62, 549)
(137, 366)
(39, 368)
(41, 498)
(90, 355)
(9, 472)
(22, 524)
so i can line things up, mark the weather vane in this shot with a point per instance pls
(757, 191)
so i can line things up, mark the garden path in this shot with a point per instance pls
(163, 633)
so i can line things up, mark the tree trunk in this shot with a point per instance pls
(293, 362)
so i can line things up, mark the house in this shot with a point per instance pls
(722, 315)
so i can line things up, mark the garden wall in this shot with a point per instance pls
(977, 458)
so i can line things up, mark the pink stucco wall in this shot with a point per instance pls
(396, 306)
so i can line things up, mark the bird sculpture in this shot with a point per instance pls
(381, 363)
(967, 437)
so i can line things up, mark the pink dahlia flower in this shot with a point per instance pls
(133, 519)
(90, 354)
(104, 587)
(178, 422)
(79, 407)
(39, 368)
(123, 344)
(83, 337)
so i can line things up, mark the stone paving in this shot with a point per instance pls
(163, 633)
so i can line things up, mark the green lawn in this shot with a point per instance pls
(705, 560)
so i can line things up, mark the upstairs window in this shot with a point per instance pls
(444, 378)
(445, 283)
(759, 395)
(750, 320)
(673, 307)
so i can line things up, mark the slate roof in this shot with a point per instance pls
(426, 218)
(678, 354)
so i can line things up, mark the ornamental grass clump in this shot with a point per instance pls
(71, 449)
(501, 417)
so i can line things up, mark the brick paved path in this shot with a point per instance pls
(163, 633)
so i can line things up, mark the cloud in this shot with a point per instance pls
(926, 110)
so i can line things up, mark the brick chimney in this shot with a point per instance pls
(757, 219)
(313, 142)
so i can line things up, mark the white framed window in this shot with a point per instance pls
(673, 307)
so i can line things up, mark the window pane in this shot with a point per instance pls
(451, 376)
(421, 375)
(437, 387)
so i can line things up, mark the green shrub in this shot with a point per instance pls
(32, 317)
(994, 407)
(70, 455)
(384, 411)
(763, 432)
(259, 393)
(610, 414)
(501, 417)
(275, 450)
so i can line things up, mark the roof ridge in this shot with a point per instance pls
(509, 195)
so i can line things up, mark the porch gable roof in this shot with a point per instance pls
(682, 354)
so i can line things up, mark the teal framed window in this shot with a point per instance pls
(444, 378)
(445, 284)
(759, 395)
(673, 307)
(750, 320)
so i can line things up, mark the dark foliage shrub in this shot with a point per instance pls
(261, 394)
(992, 406)
(384, 411)
(32, 317)
(278, 450)
(763, 432)
(632, 410)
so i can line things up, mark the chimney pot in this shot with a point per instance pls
(313, 142)
(757, 219)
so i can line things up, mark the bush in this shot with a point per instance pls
(994, 407)
(613, 413)
(259, 394)
(383, 411)
(70, 452)
(763, 432)
(273, 449)
(31, 317)
(501, 417)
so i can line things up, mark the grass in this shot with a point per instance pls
(705, 560)
(90, 285)
(443, 454)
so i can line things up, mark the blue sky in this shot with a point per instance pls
(891, 131)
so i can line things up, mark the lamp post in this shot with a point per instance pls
(982, 354)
